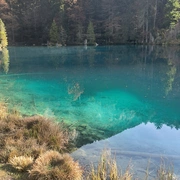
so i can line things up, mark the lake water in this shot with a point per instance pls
(125, 98)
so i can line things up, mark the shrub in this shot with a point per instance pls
(21, 163)
(28, 136)
(53, 165)
(47, 131)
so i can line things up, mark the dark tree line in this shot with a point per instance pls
(114, 21)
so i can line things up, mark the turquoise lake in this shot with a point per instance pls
(127, 97)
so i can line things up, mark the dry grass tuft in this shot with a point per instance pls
(47, 131)
(14, 142)
(28, 136)
(53, 165)
(21, 163)
(3, 111)
(107, 169)
(165, 173)
(4, 175)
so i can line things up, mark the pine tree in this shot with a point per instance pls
(62, 35)
(90, 34)
(53, 34)
(79, 34)
(3, 35)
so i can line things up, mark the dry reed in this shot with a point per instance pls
(107, 170)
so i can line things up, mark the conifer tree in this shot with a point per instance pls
(53, 34)
(90, 34)
(79, 34)
(62, 35)
(3, 35)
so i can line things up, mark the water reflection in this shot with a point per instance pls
(4, 60)
(171, 72)
(99, 91)
(137, 147)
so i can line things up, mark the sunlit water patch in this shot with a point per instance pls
(99, 91)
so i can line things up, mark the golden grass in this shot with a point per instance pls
(107, 170)
(4, 175)
(165, 173)
(29, 136)
(47, 131)
(21, 163)
(25, 139)
(3, 111)
(53, 165)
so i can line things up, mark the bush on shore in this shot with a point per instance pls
(36, 146)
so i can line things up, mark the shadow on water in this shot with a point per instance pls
(98, 91)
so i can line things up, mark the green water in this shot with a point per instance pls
(99, 91)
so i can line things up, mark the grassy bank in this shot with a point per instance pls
(37, 148)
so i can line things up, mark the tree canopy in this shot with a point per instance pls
(113, 22)
(53, 34)
(3, 35)
(90, 34)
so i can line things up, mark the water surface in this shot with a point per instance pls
(100, 92)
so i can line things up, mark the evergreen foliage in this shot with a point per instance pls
(174, 11)
(79, 34)
(3, 35)
(114, 22)
(53, 33)
(62, 36)
(90, 34)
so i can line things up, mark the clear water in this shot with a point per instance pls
(99, 91)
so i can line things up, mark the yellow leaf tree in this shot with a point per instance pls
(3, 35)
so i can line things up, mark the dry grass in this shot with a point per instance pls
(13, 141)
(4, 175)
(107, 170)
(25, 139)
(29, 136)
(53, 165)
(165, 173)
(47, 131)
(21, 147)
(21, 163)
(3, 111)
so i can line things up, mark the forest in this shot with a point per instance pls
(72, 22)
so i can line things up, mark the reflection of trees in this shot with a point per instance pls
(171, 57)
(91, 57)
(170, 76)
(4, 59)
(171, 123)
